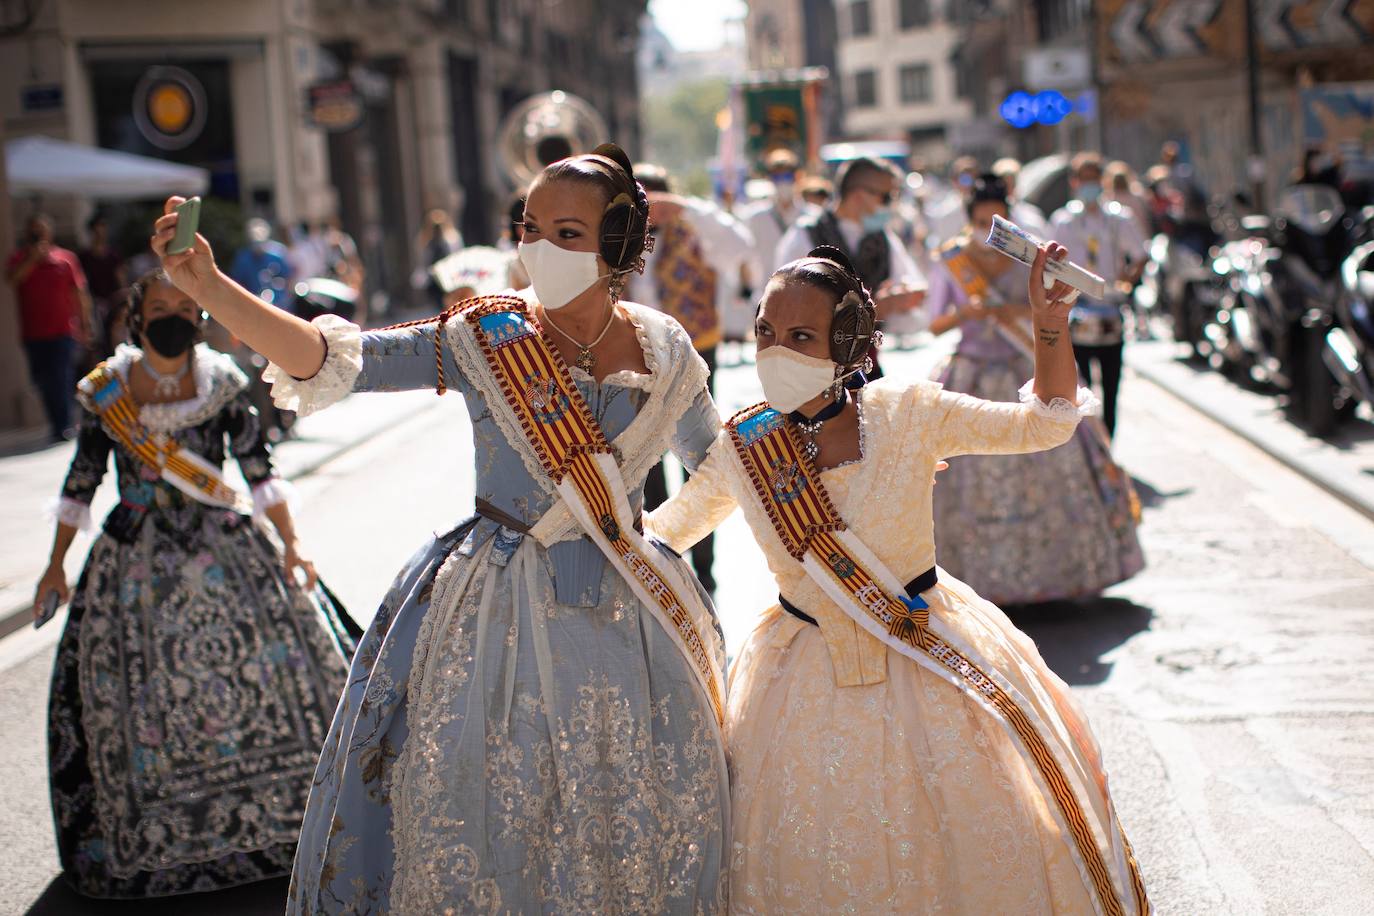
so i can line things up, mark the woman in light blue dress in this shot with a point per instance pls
(519, 733)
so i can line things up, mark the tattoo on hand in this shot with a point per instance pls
(1049, 337)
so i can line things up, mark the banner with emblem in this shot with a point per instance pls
(540, 397)
(813, 533)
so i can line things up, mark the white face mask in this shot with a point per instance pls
(790, 379)
(558, 275)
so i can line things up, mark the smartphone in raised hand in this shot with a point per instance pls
(188, 222)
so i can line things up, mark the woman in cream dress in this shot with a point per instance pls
(867, 778)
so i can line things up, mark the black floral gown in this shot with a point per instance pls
(193, 684)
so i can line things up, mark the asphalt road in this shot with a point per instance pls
(1231, 684)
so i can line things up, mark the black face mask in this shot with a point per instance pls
(170, 336)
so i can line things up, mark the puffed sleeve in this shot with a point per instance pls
(696, 430)
(394, 360)
(697, 509)
(960, 424)
(87, 469)
(250, 448)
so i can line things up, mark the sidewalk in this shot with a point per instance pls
(29, 484)
(1343, 466)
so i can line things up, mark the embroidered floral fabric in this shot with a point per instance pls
(519, 734)
(858, 775)
(193, 682)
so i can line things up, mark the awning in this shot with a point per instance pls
(42, 165)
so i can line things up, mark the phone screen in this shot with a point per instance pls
(188, 222)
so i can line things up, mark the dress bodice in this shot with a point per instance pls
(884, 497)
(978, 339)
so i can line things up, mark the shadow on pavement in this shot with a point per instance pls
(1150, 497)
(262, 897)
(1072, 636)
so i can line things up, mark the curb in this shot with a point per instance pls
(15, 619)
(1352, 498)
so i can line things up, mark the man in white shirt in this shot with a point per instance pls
(1023, 213)
(1101, 236)
(858, 226)
(769, 219)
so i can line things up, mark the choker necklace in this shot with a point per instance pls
(166, 385)
(585, 360)
(811, 426)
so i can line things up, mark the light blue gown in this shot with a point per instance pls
(518, 733)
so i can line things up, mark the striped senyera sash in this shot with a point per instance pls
(573, 451)
(183, 469)
(975, 286)
(805, 520)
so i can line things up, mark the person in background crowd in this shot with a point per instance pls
(816, 191)
(858, 227)
(262, 265)
(945, 214)
(1120, 185)
(54, 318)
(699, 253)
(438, 239)
(1101, 236)
(105, 281)
(988, 509)
(1319, 167)
(305, 253)
(195, 677)
(1023, 213)
(768, 220)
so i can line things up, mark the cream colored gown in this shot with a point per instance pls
(862, 783)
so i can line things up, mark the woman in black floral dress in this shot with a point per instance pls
(195, 679)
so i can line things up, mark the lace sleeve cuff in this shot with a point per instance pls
(273, 492)
(71, 512)
(1060, 410)
(343, 363)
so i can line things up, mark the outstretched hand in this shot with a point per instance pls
(192, 270)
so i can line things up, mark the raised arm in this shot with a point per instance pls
(288, 341)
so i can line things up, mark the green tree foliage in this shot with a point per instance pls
(680, 131)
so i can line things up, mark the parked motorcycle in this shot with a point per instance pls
(1348, 346)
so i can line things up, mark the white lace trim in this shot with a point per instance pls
(69, 511)
(218, 380)
(676, 374)
(273, 492)
(343, 362)
(1060, 410)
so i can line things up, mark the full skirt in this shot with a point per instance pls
(496, 751)
(191, 693)
(1054, 525)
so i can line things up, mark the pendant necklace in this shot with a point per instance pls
(585, 360)
(810, 427)
(166, 385)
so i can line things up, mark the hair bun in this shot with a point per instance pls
(613, 152)
(831, 253)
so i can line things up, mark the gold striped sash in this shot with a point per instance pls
(185, 470)
(574, 452)
(805, 520)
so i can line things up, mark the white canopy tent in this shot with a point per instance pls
(42, 165)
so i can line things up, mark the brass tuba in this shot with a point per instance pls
(545, 128)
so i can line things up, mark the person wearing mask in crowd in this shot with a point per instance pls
(1119, 184)
(305, 253)
(1023, 213)
(695, 265)
(858, 226)
(988, 509)
(896, 744)
(532, 720)
(815, 192)
(1103, 237)
(54, 318)
(769, 219)
(105, 282)
(262, 265)
(945, 213)
(195, 677)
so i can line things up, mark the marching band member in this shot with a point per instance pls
(990, 509)
(896, 744)
(195, 678)
(532, 721)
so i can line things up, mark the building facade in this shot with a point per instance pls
(372, 111)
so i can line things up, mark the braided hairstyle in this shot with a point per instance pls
(625, 235)
(854, 323)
